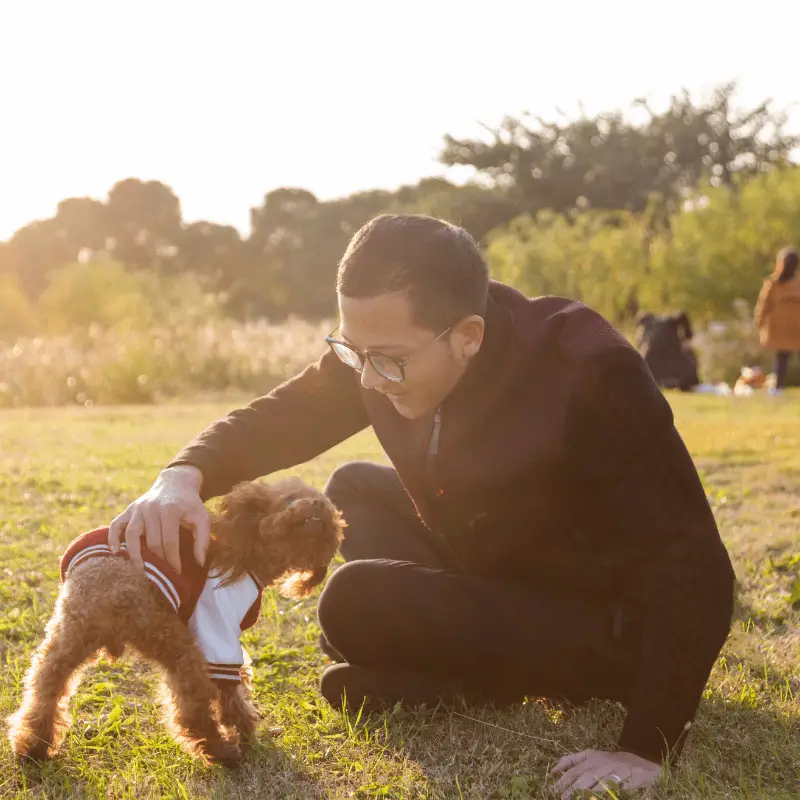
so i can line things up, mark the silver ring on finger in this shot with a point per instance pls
(614, 777)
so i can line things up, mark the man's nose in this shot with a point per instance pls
(370, 377)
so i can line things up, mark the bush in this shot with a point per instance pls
(708, 258)
(144, 366)
(111, 296)
(597, 258)
(17, 314)
(724, 242)
(117, 336)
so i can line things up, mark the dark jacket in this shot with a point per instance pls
(663, 342)
(558, 466)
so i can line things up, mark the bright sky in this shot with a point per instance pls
(227, 100)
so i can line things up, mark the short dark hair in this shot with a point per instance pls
(438, 264)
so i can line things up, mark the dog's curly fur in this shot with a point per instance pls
(284, 531)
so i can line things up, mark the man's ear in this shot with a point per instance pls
(469, 335)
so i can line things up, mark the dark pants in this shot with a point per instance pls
(407, 626)
(781, 367)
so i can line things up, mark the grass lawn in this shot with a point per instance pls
(64, 471)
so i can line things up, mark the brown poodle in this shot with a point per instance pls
(263, 533)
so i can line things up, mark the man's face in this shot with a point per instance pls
(384, 325)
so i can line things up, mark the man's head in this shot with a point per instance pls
(403, 281)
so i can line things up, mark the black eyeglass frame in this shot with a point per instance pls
(367, 355)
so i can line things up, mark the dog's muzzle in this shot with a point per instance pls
(314, 524)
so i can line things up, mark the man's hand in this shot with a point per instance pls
(597, 770)
(172, 501)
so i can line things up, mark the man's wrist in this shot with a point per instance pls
(184, 474)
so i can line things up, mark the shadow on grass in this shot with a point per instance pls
(735, 750)
(267, 772)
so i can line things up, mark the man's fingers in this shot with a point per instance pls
(133, 536)
(586, 781)
(586, 767)
(609, 782)
(170, 537)
(569, 778)
(600, 771)
(116, 528)
(571, 760)
(634, 779)
(201, 521)
(152, 526)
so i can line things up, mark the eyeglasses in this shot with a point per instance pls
(389, 367)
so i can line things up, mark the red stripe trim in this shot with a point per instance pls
(83, 555)
(183, 587)
(157, 582)
(163, 583)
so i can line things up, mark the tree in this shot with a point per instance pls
(144, 220)
(34, 250)
(475, 208)
(83, 224)
(607, 162)
(296, 243)
(214, 251)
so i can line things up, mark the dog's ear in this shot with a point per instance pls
(249, 500)
(236, 527)
(243, 509)
(301, 584)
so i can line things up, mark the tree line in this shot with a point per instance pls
(546, 196)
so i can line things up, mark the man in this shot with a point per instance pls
(543, 530)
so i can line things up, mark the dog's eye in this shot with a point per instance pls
(289, 499)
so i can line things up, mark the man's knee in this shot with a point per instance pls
(344, 601)
(349, 479)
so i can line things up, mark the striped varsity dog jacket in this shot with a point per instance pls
(216, 614)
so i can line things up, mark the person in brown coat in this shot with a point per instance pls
(777, 314)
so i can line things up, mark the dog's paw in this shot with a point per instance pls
(31, 749)
(248, 723)
(35, 758)
(223, 753)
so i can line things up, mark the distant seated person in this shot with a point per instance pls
(665, 344)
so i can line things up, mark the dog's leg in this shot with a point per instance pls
(237, 709)
(193, 697)
(37, 728)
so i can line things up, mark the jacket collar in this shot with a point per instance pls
(490, 359)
